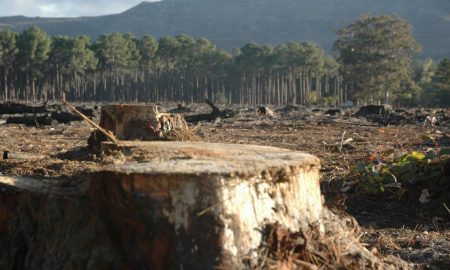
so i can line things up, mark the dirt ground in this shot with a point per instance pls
(394, 223)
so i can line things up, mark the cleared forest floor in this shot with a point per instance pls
(394, 222)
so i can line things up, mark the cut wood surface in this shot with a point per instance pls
(200, 157)
(218, 196)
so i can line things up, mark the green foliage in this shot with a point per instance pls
(314, 99)
(33, 48)
(8, 52)
(441, 82)
(230, 23)
(115, 51)
(408, 94)
(147, 48)
(377, 175)
(330, 65)
(435, 82)
(72, 55)
(8, 48)
(423, 71)
(375, 53)
(123, 67)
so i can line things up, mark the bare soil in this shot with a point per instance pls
(391, 222)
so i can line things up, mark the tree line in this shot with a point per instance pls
(376, 54)
(373, 64)
(119, 67)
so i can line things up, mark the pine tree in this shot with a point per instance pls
(8, 51)
(34, 47)
(376, 54)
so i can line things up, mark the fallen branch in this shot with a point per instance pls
(212, 116)
(19, 108)
(108, 134)
(447, 208)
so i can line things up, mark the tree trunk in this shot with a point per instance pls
(33, 90)
(5, 85)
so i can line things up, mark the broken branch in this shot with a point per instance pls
(92, 123)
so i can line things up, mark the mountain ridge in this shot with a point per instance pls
(232, 23)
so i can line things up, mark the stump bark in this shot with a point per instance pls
(161, 205)
(136, 122)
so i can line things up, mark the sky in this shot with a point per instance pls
(64, 8)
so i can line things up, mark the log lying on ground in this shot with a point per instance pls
(65, 117)
(22, 108)
(212, 116)
(381, 114)
(19, 108)
(333, 112)
(180, 109)
(31, 120)
(87, 111)
(290, 108)
(45, 114)
(136, 122)
(384, 115)
(44, 119)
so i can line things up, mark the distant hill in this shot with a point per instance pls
(232, 23)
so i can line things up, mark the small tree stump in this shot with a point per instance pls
(371, 110)
(263, 110)
(137, 122)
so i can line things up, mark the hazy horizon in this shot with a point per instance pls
(65, 8)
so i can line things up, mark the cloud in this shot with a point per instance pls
(64, 8)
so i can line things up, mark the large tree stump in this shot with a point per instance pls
(161, 205)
